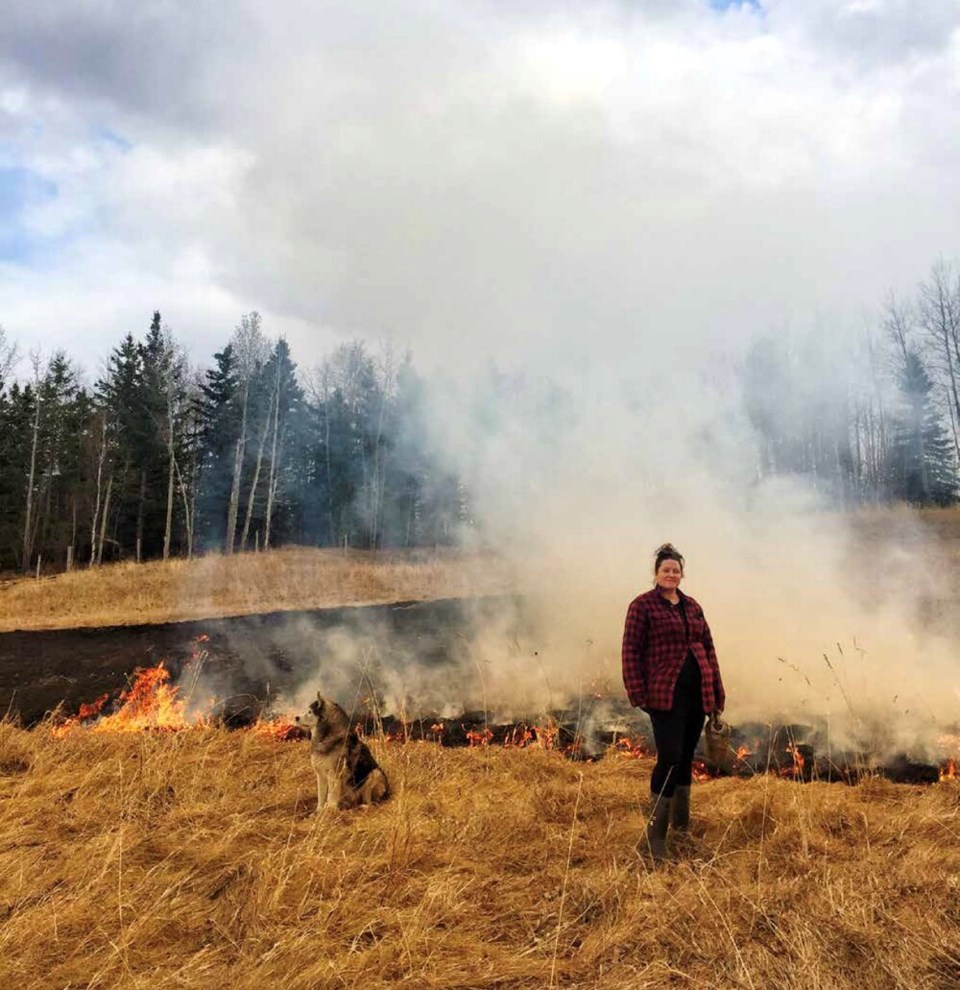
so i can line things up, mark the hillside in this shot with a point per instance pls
(214, 585)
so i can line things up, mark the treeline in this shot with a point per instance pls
(878, 423)
(155, 459)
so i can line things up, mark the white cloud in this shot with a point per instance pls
(469, 177)
(613, 194)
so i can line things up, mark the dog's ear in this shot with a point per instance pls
(320, 698)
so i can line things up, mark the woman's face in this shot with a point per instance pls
(669, 574)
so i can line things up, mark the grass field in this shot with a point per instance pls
(194, 859)
(210, 586)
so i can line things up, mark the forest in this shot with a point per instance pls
(874, 422)
(156, 459)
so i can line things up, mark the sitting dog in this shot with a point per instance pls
(347, 773)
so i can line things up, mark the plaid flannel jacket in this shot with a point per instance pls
(655, 644)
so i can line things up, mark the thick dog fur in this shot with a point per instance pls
(347, 773)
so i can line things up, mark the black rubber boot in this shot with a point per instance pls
(657, 827)
(680, 810)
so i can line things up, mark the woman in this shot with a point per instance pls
(670, 671)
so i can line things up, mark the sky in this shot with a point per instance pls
(604, 200)
(468, 179)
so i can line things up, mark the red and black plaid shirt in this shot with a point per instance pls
(656, 642)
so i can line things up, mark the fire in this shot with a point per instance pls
(798, 763)
(518, 737)
(277, 728)
(479, 737)
(546, 736)
(949, 770)
(87, 711)
(151, 702)
(742, 753)
(635, 748)
(700, 771)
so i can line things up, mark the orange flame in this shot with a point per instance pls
(87, 711)
(277, 728)
(150, 703)
(949, 770)
(700, 771)
(481, 738)
(518, 737)
(546, 736)
(798, 763)
(635, 748)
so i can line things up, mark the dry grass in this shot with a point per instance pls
(194, 860)
(295, 578)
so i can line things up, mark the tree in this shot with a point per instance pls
(939, 317)
(120, 394)
(287, 399)
(60, 411)
(249, 347)
(923, 469)
(163, 401)
(219, 428)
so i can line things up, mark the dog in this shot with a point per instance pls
(347, 773)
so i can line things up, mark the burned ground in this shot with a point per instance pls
(250, 657)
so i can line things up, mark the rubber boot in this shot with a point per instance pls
(657, 827)
(680, 810)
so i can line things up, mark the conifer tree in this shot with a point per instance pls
(922, 465)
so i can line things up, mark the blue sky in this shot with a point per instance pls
(19, 188)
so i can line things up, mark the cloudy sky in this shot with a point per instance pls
(604, 194)
(471, 178)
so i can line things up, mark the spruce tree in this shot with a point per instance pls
(922, 463)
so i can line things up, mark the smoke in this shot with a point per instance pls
(816, 614)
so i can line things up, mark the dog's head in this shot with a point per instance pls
(315, 716)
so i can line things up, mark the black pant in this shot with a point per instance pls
(677, 732)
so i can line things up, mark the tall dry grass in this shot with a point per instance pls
(215, 585)
(195, 860)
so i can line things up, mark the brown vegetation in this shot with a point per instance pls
(215, 585)
(194, 859)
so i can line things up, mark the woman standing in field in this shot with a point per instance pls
(670, 671)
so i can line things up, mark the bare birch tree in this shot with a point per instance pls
(282, 370)
(101, 456)
(31, 476)
(250, 349)
(171, 370)
(258, 467)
